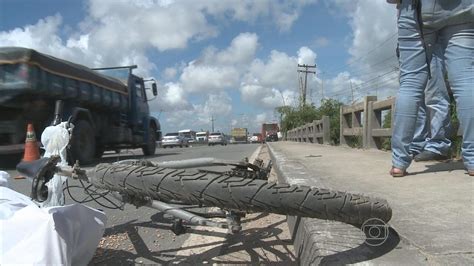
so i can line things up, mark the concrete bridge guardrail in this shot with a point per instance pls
(316, 132)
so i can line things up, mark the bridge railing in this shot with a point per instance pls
(316, 132)
(365, 120)
(375, 131)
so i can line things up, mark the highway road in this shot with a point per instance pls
(142, 235)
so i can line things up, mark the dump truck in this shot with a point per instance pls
(270, 131)
(239, 135)
(107, 112)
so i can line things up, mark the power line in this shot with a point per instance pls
(379, 76)
(360, 72)
(360, 85)
(379, 84)
(363, 56)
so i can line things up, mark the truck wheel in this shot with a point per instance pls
(99, 151)
(150, 146)
(83, 143)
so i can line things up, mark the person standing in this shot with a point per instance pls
(445, 29)
(433, 123)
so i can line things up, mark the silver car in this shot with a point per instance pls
(174, 140)
(217, 138)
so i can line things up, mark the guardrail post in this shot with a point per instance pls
(303, 134)
(315, 132)
(326, 130)
(365, 126)
(375, 121)
(375, 131)
(306, 132)
(342, 125)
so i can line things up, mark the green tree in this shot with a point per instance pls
(295, 117)
(331, 108)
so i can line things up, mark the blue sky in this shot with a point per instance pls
(232, 60)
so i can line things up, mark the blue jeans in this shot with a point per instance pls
(433, 122)
(456, 49)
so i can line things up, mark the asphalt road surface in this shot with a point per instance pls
(142, 235)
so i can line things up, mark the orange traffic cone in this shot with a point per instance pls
(31, 147)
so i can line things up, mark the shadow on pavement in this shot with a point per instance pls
(9, 162)
(363, 252)
(135, 248)
(442, 166)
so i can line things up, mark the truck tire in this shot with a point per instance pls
(230, 192)
(83, 143)
(99, 152)
(150, 146)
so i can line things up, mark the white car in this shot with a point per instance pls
(217, 138)
(174, 140)
(253, 139)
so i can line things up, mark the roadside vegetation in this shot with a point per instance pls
(292, 117)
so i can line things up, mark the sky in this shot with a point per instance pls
(231, 60)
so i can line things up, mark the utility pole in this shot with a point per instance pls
(352, 92)
(212, 123)
(322, 89)
(305, 84)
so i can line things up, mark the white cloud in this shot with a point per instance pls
(282, 13)
(217, 105)
(43, 32)
(273, 83)
(205, 78)
(261, 118)
(372, 49)
(276, 72)
(174, 95)
(118, 31)
(171, 98)
(219, 70)
(321, 42)
(163, 27)
(43, 36)
(170, 73)
(306, 56)
(372, 28)
(198, 116)
(241, 50)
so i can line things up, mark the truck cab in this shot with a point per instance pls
(133, 127)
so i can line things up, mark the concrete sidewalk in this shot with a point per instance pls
(433, 207)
